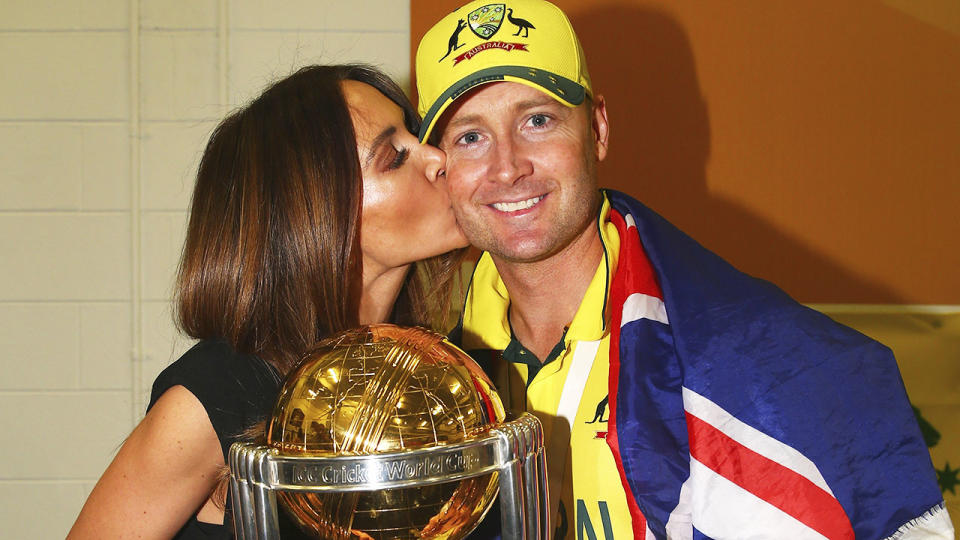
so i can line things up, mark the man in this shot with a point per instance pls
(680, 398)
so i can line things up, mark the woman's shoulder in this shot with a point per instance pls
(236, 389)
(213, 353)
(212, 362)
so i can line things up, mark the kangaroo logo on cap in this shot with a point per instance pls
(486, 20)
(454, 42)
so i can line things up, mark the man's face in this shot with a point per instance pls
(521, 169)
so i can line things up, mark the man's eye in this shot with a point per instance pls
(470, 138)
(539, 120)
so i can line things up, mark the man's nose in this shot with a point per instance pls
(510, 162)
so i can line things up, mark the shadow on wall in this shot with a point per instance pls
(641, 60)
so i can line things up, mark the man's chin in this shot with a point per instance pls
(521, 252)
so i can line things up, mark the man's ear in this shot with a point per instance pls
(601, 129)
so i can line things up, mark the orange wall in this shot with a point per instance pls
(815, 144)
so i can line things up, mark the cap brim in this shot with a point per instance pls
(562, 89)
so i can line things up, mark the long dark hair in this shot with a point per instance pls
(272, 261)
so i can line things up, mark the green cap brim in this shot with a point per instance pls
(560, 88)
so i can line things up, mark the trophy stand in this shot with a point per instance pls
(513, 449)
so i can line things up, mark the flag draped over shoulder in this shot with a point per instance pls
(736, 412)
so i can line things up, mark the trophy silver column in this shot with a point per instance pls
(390, 432)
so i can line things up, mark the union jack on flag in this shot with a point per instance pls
(735, 412)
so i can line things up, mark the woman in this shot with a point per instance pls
(315, 210)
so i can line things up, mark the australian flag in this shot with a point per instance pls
(736, 412)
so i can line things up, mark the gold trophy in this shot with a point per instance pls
(386, 432)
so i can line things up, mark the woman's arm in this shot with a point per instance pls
(161, 476)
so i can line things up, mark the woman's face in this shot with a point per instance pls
(406, 210)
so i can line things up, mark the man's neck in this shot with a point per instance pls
(546, 294)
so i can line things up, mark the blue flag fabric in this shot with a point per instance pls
(741, 412)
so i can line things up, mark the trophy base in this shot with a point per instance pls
(380, 496)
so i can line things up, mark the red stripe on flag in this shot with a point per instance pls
(619, 290)
(770, 481)
(636, 275)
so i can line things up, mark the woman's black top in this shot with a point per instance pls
(238, 391)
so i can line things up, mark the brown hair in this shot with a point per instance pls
(271, 261)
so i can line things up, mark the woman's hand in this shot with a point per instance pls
(163, 474)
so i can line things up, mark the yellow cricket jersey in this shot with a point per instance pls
(568, 393)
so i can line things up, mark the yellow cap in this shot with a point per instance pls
(526, 41)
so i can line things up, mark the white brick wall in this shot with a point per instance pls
(104, 110)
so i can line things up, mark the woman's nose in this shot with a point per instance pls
(435, 161)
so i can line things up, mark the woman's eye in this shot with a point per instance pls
(399, 159)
